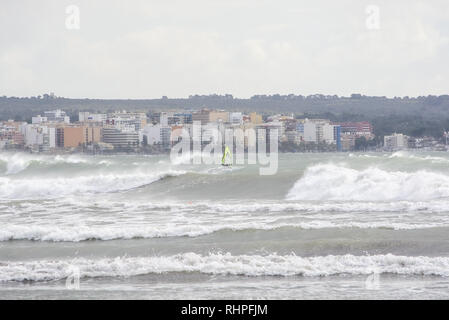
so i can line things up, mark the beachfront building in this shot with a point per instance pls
(10, 135)
(201, 116)
(157, 134)
(126, 121)
(255, 118)
(358, 129)
(120, 139)
(57, 116)
(236, 118)
(397, 141)
(320, 130)
(86, 116)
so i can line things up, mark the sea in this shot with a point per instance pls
(368, 225)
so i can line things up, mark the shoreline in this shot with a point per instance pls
(68, 152)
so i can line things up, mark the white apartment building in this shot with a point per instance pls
(51, 116)
(236, 118)
(329, 133)
(157, 134)
(86, 116)
(397, 141)
(152, 132)
(38, 137)
(38, 119)
(120, 139)
(319, 130)
(57, 116)
(127, 121)
(310, 131)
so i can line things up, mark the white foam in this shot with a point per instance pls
(225, 264)
(18, 162)
(52, 187)
(337, 182)
(408, 155)
(440, 205)
(74, 159)
(123, 230)
(82, 232)
(15, 163)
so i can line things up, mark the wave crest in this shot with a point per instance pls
(18, 162)
(226, 264)
(337, 182)
(38, 188)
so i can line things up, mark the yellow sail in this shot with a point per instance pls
(226, 160)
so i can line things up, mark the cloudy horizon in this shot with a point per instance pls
(147, 49)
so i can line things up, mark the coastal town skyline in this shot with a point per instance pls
(158, 132)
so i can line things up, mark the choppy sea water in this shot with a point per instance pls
(326, 226)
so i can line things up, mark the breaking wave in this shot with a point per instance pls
(409, 156)
(84, 233)
(337, 182)
(398, 155)
(225, 264)
(18, 162)
(55, 187)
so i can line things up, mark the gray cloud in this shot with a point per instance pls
(146, 49)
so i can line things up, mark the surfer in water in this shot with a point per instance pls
(226, 160)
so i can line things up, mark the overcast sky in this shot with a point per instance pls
(150, 48)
